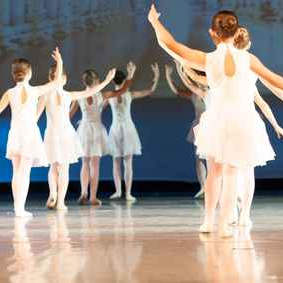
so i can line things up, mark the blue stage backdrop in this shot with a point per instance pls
(108, 33)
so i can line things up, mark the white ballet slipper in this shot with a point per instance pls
(206, 228)
(116, 195)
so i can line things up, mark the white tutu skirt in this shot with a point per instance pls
(124, 140)
(94, 139)
(237, 139)
(62, 145)
(26, 141)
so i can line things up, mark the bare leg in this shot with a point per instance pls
(117, 178)
(94, 173)
(53, 184)
(85, 180)
(128, 167)
(16, 164)
(202, 174)
(212, 194)
(247, 197)
(63, 182)
(229, 197)
(22, 187)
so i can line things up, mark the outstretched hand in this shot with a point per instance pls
(168, 70)
(131, 69)
(153, 15)
(111, 74)
(56, 55)
(155, 70)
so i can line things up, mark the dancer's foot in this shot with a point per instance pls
(116, 195)
(83, 200)
(225, 231)
(61, 207)
(246, 223)
(95, 202)
(51, 202)
(23, 214)
(206, 228)
(130, 198)
(200, 194)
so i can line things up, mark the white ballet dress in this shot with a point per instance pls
(91, 131)
(24, 137)
(231, 131)
(123, 136)
(61, 140)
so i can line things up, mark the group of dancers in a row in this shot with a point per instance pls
(230, 134)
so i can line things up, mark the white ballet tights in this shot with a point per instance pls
(128, 177)
(20, 184)
(90, 176)
(246, 194)
(58, 178)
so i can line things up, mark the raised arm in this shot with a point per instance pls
(196, 90)
(195, 76)
(4, 102)
(266, 110)
(40, 107)
(51, 86)
(93, 90)
(74, 109)
(278, 92)
(171, 46)
(265, 74)
(151, 90)
(172, 85)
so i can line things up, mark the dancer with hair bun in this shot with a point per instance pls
(25, 147)
(228, 133)
(92, 133)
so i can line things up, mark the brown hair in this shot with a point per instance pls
(89, 77)
(225, 24)
(242, 38)
(52, 72)
(20, 68)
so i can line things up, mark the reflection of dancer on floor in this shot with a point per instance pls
(228, 133)
(123, 136)
(61, 141)
(25, 147)
(92, 133)
(199, 107)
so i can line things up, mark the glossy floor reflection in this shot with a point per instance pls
(149, 241)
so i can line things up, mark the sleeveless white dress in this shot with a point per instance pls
(123, 136)
(231, 131)
(61, 140)
(91, 131)
(24, 137)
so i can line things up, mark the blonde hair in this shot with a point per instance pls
(242, 38)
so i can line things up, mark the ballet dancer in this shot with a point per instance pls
(61, 141)
(123, 136)
(227, 133)
(25, 147)
(92, 133)
(199, 107)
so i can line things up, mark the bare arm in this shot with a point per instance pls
(75, 95)
(109, 94)
(264, 73)
(40, 107)
(51, 86)
(266, 110)
(171, 46)
(4, 102)
(196, 77)
(151, 90)
(278, 92)
(173, 86)
(74, 109)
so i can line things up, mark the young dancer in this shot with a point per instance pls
(123, 136)
(25, 147)
(227, 133)
(92, 133)
(61, 141)
(199, 107)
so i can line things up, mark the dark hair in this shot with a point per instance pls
(52, 72)
(225, 24)
(242, 38)
(89, 77)
(20, 68)
(119, 77)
